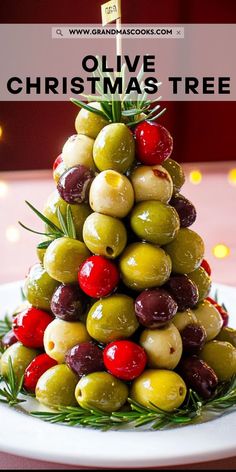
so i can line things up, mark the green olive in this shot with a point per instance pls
(163, 346)
(186, 251)
(56, 387)
(78, 150)
(111, 193)
(155, 222)
(112, 318)
(221, 357)
(39, 287)
(21, 357)
(89, 123)
(143, 265)
(63, 259)
(202, 281)
(114, 148)
(102, 391)
(79, 212)
(152, 183)
(162, 388)
(176, 172)
(41, 252)
(104, 235)
(227, 334)
(183, 319)
(57, 173)
(60, 336)
(209, 317)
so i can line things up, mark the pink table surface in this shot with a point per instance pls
(214, 198)
(10, 462)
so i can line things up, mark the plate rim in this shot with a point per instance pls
(88, 462)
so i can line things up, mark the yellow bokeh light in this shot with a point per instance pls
(232, 176)
(3, 189)
(195, 177)
(1, 132)
(221, 250)
(12, 234)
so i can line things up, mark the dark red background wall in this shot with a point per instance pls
(33, 132)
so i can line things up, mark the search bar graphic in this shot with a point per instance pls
(127, 31)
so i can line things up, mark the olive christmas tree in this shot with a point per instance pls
(118, 313)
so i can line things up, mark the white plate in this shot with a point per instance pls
(26, 436)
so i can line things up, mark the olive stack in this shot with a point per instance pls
(118, 304)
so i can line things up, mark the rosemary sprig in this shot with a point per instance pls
(136, 416)
(12, 387)
(55, 230)
(225, 396)
(67, 227)
(194, 408)
(5, 325)
(44, 244)
(67, 224)
(126, 107)
(87, 107)
(70, 223)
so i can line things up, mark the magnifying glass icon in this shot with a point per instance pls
(59, 32)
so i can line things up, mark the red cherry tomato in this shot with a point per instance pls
(154, 143)
(29, 326)
(98, 276)
(213, 302)
(124, 359)
(35, 369)
(57, 161)
(223, 313)
(206, 267)
(224, 316)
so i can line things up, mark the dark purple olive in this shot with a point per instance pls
(155, 307)
(185, 209)
(8, 339)
(193, 338)
(198, 376)
(68, 302)
(74, 184)
(183, 290)
(85, 358)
